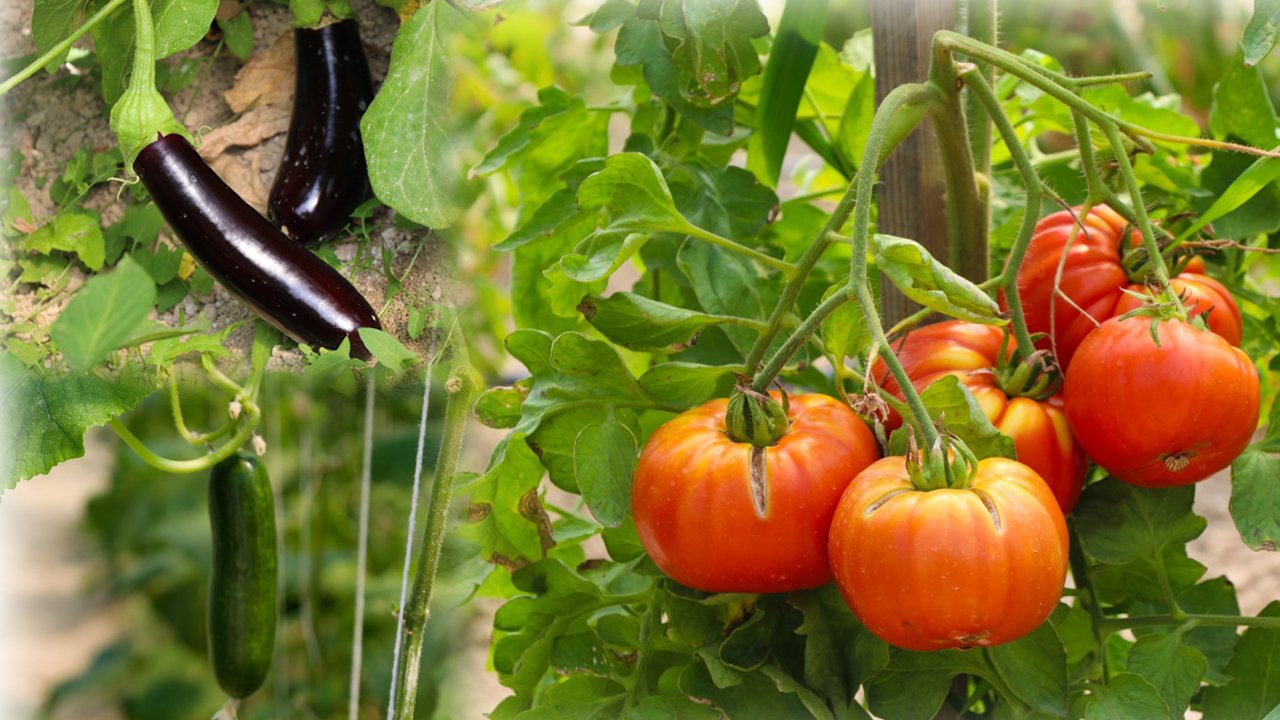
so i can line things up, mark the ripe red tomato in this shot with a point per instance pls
(1200, 294)
(1093, 278)
(1160, 416)
(929, 570)
(1039, 428)
(695, 507)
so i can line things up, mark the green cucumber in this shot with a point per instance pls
(242, 587)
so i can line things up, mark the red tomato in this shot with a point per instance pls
(1200, 295)
(1092, 277)
(1039, 429)
(929, 570)
(696, 510)
(1160, 416)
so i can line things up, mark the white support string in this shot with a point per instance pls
(362, 552)
(408, 548)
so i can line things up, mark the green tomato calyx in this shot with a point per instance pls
(756, 418)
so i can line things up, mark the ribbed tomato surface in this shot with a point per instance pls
(949, 568)
(696, 509)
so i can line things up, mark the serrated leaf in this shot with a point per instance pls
(1120, 523)
(604, 458)
(636, 322)
(1255, 499)
(922, 278)
(103, 314)
(727, 283)
(1255, 671)
(1173, 669)
(48, 414)
(684, 385)
(410, 151)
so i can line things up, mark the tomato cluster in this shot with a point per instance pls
(1154, 399)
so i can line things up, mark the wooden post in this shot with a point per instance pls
(910, 197)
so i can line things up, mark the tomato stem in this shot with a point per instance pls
(464, 385)
(1008, 279)
(765, 377)
(916, 99)
(900, 98)
(966, 211)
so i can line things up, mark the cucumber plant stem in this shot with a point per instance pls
(463, 387)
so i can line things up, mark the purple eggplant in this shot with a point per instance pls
(323, 176)
(282, 281)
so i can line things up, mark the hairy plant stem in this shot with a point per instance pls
(862, 191)
(1116, 624)
(463, 386)
(797, 339)
(778, 264)
(61, 47)
(983, 26)
(1008, 279)
(908, 113)
(1158, 266)
(966, 209)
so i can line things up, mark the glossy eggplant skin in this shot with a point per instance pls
(323, 176)
(281, 280)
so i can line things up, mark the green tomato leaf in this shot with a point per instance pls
(640, 43)
(502, 518)
(1173, 669)
(1120, 523)
(1255, 671)
(1260, 34)
(48, 414)
(71, 232)
(500, 407)
(388, 351)
(1259, 175)
(728, 201)
(636, 322)
(1034, 667)
(1259, 213)
(632, 195)
(571, 368)
(728, 284)
(754, 696)
(710, 43)
(914, 684)
(412, 161)
(604, 458)
(1255, 499)
(844, 331)
(947, 397)
(1242, 107)
(1125, 696)
(103, 314)
(922, 278)
(684, 384)
(598, 256)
